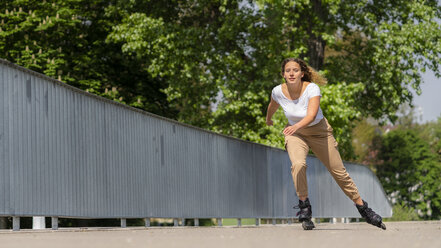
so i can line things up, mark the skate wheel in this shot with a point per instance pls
(308, 225)
(383, 226)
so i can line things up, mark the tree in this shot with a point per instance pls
(362, 140)
(409, 172)
(66, 40)
(385, 45)
(220, 63)
(431, 132)
(240, 45)
(213, 63)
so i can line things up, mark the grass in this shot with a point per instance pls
(233, 222)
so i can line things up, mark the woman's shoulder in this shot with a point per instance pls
(312, 85)
(313, 88)
(277, 89)
(276, 92)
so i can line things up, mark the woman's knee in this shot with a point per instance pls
(298, 166)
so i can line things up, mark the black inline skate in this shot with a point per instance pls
(370, 216)
(305, 214)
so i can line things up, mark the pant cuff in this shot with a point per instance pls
(355, 197)
(302, 194)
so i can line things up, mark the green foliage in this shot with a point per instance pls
(409, 172)
(401, 212)
(241, 44)
(431, 132)
(32, 33)
(213, 63)
(362, 137)
(65, 39)
(385, 45)
(338, 103)
(368, 131)
(406, 161)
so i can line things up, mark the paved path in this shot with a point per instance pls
(398, 234)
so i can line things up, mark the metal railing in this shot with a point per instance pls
(67, 153)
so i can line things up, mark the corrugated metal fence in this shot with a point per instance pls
(65, 152)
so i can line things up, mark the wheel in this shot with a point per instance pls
(308, 225)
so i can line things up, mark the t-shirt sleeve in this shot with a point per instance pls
(274, 95)
(314, 91)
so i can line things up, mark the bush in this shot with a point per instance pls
(401, 212)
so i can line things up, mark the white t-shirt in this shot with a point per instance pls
(295, 110)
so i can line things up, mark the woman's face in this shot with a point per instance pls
(292, 73)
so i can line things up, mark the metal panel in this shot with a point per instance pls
(65, 152)
(3, 137)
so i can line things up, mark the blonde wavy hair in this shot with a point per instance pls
(310, 75)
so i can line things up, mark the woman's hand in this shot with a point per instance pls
(290, 130)
(269, 122)
(272, 108)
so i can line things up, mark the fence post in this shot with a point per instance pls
(239, 222)
(219, 221)
(147, 222)
(54, 223)
(123, 223)
(38, 222)
(257, 221)
(196, 222)
(15, 223)
(175, 222)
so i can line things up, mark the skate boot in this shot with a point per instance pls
(370, 216)
(305, 214)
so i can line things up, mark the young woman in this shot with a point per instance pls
(307, 128)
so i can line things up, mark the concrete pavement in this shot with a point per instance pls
(398, 234)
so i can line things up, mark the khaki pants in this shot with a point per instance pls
(322, 143)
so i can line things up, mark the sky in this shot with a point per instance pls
(429, 102)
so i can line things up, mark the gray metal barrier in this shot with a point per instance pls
(67, 153)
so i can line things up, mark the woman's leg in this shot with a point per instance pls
(297, 151)
(324, 146)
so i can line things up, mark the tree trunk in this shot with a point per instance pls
(316, 44)
(316, 52)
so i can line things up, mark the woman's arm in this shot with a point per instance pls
(272, 108)
(313, 107)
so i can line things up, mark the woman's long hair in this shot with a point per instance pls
(310, 75)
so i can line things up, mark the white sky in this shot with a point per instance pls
(430, 99)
